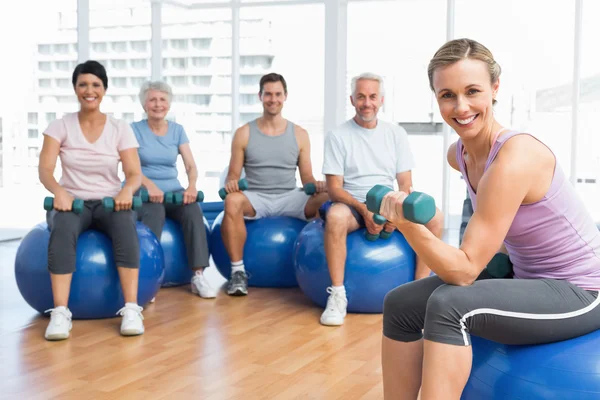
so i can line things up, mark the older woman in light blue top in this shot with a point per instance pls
(161, 141)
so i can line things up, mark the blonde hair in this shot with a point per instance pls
(461, 49)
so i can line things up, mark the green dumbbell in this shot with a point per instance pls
(242, 184)
(310, 188)
(500, 266)
(418, 207)
(385, 235)
(109, 203)
(171, 197)
(76, 206)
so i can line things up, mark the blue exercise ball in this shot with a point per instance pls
(95, 288)
(267, 251)
(177, 269)
(562, 370)
(372, 268)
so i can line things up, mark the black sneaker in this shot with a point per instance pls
(238, 284)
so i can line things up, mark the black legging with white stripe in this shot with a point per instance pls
(508, 311)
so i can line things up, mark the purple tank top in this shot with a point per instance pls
(554, 238)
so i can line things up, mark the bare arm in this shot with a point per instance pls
(130, 161)
(304, 163)
(335, 187)
(404, 181)
(190, 165)
(513, 176)
(47, 164)
(238, 146)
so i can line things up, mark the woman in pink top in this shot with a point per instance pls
(522, 203)
(90, 145)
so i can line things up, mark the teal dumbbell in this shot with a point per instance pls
(310, 188)
(500, 266)
(177, 197)
(418, 207)
(171, 197)
(76, 206)
(109, 203)
(242, 184)
(385, 235)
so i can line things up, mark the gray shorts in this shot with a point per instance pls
(288, 204)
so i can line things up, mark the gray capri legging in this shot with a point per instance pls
(65, 228)
(508, 311)
(191, 220)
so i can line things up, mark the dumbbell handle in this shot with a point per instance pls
(242, 185)
(418, 207)
(76, 206)
(109, 203)
(310, 188)
(171, 197)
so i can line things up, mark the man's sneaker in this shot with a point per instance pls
(238, 284)
(200, 286)
(132, 324)
(336, 309)
(60, 324)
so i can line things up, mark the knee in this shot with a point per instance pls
(337, 218)
(234, 204)
(192, 214)
(447, 300)
(402, 318)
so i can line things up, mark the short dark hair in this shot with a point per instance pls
(91, 67)
(272, 77)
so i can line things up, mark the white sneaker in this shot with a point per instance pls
(132, 324)
(200, 286)
(60, 324)
(336, 309)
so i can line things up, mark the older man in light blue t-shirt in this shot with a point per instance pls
(359, 154)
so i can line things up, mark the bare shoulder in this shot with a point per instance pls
(301, 135)
(451, 156)
(526, 150)
(241, 135)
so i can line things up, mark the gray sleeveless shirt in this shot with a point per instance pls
(271, 161)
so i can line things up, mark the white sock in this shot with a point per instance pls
(131, 304)
(237, 266)
(340, 290)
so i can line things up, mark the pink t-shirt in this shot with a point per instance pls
(89, 170)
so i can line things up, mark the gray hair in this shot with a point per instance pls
(367, 76)
(155, 85)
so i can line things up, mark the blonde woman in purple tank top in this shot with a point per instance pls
(524, 205)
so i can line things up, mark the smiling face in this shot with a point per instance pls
(465, 96)
(157, 104)
(90, 91)
(273, 96)
(367, 99)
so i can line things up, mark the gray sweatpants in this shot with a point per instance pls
(508, 311)
(190, 218)
(65, 228)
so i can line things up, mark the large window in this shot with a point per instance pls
(197, 60)
(398, 47)
(270, 42)
(39, 50)
(535, 51)
(588, 166)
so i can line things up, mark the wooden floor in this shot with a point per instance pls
(268, 345)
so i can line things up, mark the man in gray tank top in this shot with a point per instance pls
(268, 149)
